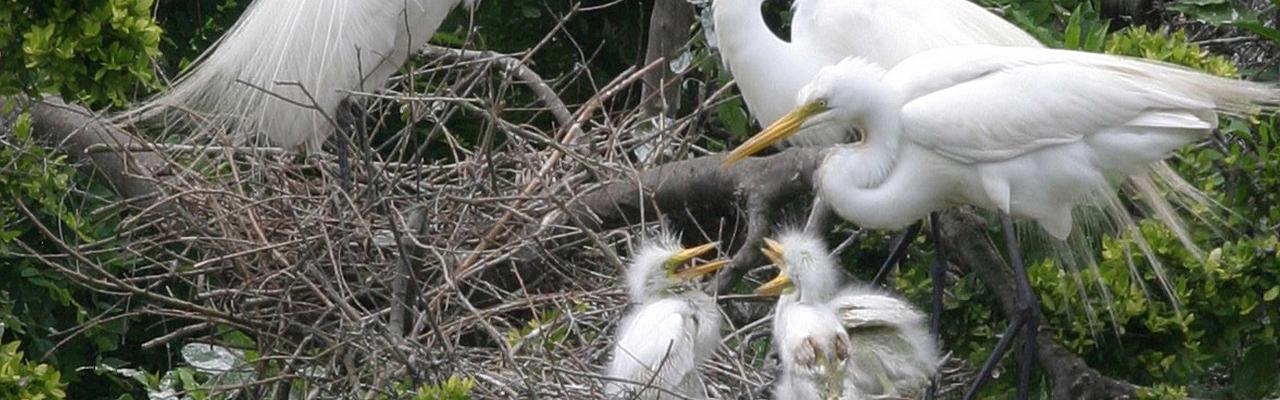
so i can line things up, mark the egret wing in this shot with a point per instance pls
(885, 32)
(657, 339)
(861, 308)
(988, 103)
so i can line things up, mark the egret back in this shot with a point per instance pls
(890, 343)
(283, 68)
(770, 72)
(886, 32)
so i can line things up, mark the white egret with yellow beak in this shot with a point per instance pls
(889, 352)
(674, 328)
(1025, 131)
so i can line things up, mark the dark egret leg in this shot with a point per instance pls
(937, 273)
(896, 253)
(1024, 321)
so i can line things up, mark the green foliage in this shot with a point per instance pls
(1231, 13)
(454, 388)
(1171, 48)
(97, 52)
(21, 379)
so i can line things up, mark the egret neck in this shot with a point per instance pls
(761, 63)
(866, 177)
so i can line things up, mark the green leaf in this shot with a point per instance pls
(1271, 294)
(1257, 27)
(1257, 374)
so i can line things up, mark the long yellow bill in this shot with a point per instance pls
(690, 253)
(775, 286)
(781, 129)
(703, 269)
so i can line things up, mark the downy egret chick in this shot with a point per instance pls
(890, 352)
(674, 328)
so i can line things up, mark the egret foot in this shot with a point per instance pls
(1024, 321)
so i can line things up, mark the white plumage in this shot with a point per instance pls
(673, 330)
(1028, 131)
(848, 343)
(769, 71)
(328, 47)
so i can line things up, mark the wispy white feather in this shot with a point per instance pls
(281, 71)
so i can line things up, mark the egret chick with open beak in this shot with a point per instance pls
(674, 328)
(878, 341)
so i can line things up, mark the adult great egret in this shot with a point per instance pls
(769, 71)
(1025, 131)
(283, 69)
(675, 328)
(889, 353)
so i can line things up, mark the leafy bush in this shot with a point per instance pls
(21, 379)
(97, 52)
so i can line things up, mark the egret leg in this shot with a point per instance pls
(896, 253)
(1028, 306)
(1024, 321)
(937, 273)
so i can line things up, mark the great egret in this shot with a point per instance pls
(1025, 131)
(283, 69)
(674, 329)
(769, 71)
(889, 353)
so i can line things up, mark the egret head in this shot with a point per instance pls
(840, 96)
(805, 267)
(662, 265)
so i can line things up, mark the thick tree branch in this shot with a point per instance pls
(708, 192)
(77, 131)
(965, 232)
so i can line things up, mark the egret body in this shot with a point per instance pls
(1028, 131)
(770, 72)
(882, 341)
(673, 330)
(282, 70)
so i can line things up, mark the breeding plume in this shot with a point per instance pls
(282, 70)
(1025, 131)
(889, 353)
(674, 328)
(770, 72)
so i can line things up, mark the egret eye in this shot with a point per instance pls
(822, 104)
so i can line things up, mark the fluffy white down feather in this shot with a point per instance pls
(669, 333)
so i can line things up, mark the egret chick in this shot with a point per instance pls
(674, 328)
(889, 352)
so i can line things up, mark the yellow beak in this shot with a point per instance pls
(695, 272)
(773, 251)
(690, 253)
(775, 286)
(781, 129)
